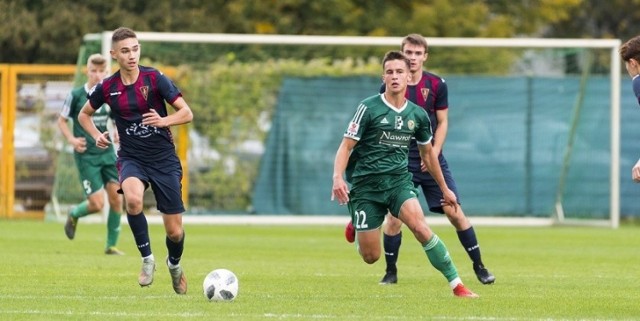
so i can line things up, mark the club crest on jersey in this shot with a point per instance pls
(425, 93)
(144, 90)
(411, 124)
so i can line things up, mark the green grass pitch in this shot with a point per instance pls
(312, 273)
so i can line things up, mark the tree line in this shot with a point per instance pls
(51, 31)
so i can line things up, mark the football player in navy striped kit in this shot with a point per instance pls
(147, 155)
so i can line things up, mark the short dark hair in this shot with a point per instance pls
(630, 49)
(415, 39)
(122, 33)
(395, 55)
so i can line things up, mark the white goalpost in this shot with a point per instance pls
(557, 213)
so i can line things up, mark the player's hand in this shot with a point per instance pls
(103, 140)
(449, 199)
(635, 172)
(340, 191)
(79, 144)
(423, 167)
(152, 118)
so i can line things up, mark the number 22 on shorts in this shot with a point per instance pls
(360, 220)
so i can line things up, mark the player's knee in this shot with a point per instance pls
(133, 204)
(422, 232)
(175, 234)
(116, 204)
(370, 257)
(96, 203)
(457, 219)
(393, 226)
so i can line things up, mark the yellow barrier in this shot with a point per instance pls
(6, 140)
(9, 78)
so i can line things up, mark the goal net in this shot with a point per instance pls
(533, 123)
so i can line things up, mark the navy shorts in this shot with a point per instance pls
(430, 189)
(163, 176)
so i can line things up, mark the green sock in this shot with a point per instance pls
(80, 210)
(439, 257)
(113, 228)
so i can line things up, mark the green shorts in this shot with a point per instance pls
(372, 198)
(95, 171)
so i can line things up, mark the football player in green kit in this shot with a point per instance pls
(96, 167)
(430, 92)
(373, 157)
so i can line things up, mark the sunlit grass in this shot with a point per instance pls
(312, 273)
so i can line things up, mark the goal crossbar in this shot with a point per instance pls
(611, 44)
(360, 41)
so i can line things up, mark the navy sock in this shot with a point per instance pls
(140, 230)
(470, 243)
(175, 249)
(392, 250)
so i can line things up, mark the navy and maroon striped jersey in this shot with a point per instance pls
(430, 93)
(129, 102)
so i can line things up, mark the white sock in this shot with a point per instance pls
(150, 257)
(453, 283)
(171, 266)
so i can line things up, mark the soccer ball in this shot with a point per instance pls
(220, 285)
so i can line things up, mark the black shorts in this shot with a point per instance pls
(164, 177)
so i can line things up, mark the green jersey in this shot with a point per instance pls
(383, 133)
(70, 110)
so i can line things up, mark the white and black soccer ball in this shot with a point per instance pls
(220, 285)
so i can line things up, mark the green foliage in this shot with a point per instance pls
(17, 40)
(229, 103)
(233, 103)
(556, 273)
(47, 31)
(67, 186)
(598, 19)
(470, 61)
(74, 18)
